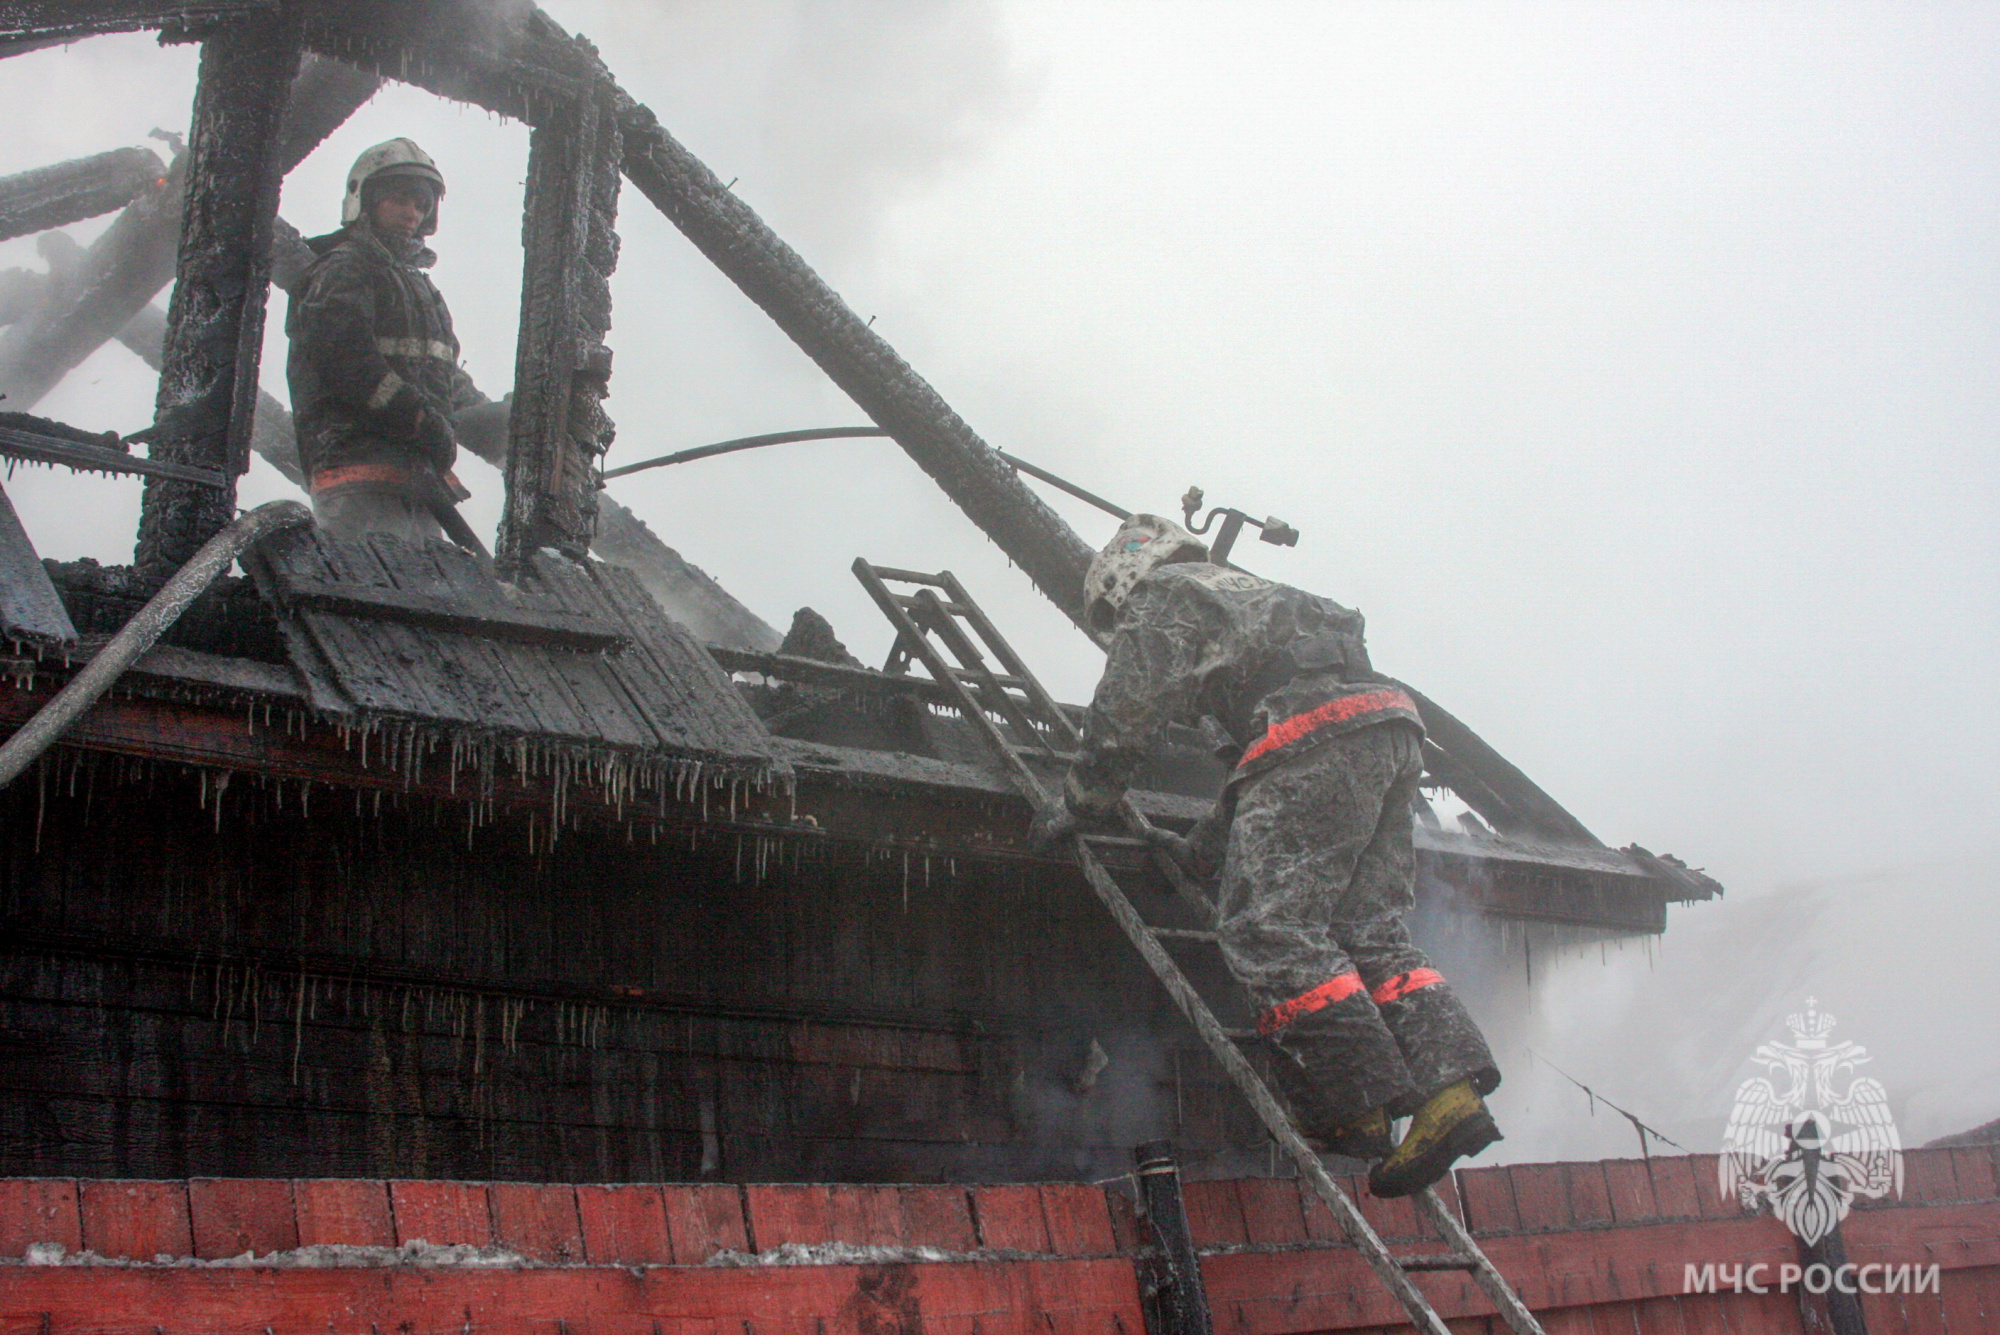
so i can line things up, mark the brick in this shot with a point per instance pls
(135, 1221)
(38, 1209)
(233, 1215)
(441, 1213)
(938, 1217)
(1489, 1200)
(866, 1216)
(1630, 1182)
(1928, 1176)
(1078, 1219)
(1273, 1214)
(1656, 1316)
(788, 1213)
(1541, 1195)
(704, 1220)
(352, 1212)
(1974, 1166)
(1010, 1218)
(1215, 1215)
(1128, 1231)
(623, 1225)
(1321, 1226)
(1708, 1188)
(538, 1220)
(1589, 1195)
(1391, 1216)
(1674, 1194)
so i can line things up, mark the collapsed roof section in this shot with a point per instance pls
(277, 76)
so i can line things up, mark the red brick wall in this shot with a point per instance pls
(1591, 1246)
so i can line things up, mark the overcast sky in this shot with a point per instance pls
(1631, 366)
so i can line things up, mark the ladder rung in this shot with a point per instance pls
(910, 600)
(1242, 1035)
(1116, 841)
(1067, 757)
(1182, 934)
(978, 678)
(907, 576)
(1449, 1261)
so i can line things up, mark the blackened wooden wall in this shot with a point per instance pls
(198, 979)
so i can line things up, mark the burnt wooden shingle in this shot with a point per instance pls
(572, 654)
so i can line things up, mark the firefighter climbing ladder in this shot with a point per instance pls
(940, 619)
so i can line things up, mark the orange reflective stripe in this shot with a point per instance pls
(1395, 989)
(1337, 988)
(328, 478)
(1333, 711)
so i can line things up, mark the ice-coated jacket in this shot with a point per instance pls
(1279, 668)
(371, 345)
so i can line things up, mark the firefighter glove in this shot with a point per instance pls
(435, 440)
(1055, 824)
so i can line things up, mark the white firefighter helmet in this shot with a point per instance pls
(1142, 545)
(397, 157)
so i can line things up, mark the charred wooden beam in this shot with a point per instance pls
(857, 359)
(79, 450)
(215, 324)
(558, 430)
(34, 201)
(41, 22)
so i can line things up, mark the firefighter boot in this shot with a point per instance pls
(1452, 1124)
(1365, 1138)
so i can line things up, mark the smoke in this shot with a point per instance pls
(1898, 955)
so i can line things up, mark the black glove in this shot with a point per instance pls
(435, 439)
(1054, 825)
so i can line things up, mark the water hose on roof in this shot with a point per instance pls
(143, 631)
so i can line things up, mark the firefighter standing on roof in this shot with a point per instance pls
(374, 366)
(1318, 871)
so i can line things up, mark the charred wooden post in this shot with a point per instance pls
(34, 201)
(1170, 1285)
(215, 323)
(562, 368)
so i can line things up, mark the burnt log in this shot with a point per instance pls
(215, 323)
(558, 430)
(26, 24)
(34, 201)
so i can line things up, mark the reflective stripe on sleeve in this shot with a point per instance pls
(385, 391)
(417, 347)
(1346, 708)
(1337, 988)
(1395, 989)
(348, 474)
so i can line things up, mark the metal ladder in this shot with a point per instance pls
(941, 627)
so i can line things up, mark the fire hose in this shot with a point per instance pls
(139, 634)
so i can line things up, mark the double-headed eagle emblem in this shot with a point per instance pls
(1808, 1148)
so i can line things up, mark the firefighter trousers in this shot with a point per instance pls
(1317, 885)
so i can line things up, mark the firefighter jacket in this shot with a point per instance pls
(1280, 669)
(372, 347)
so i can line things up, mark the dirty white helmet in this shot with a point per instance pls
(397, 157)
(1143, 544)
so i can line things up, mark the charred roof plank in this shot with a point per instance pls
(30, 607)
